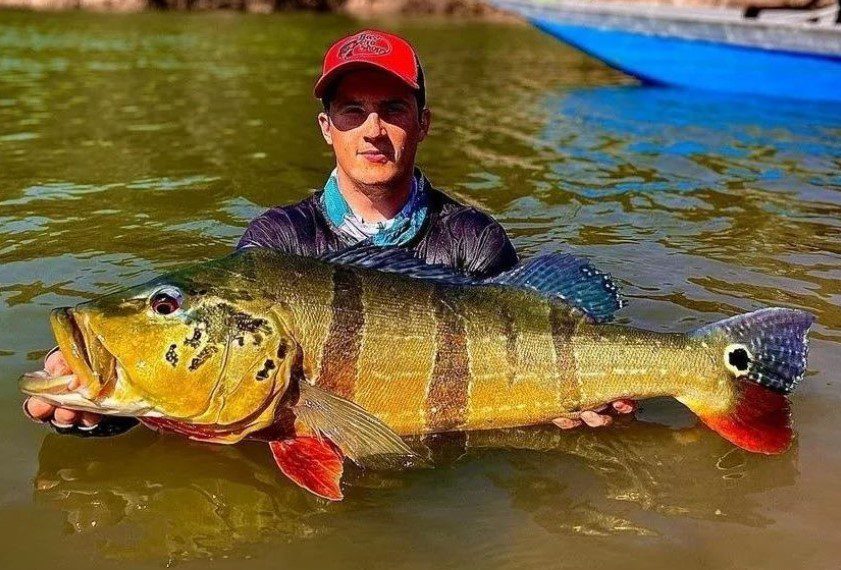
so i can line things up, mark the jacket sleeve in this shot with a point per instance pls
(487, 249)
(107, 427)
(272, 229)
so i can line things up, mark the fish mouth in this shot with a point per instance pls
(95, 368)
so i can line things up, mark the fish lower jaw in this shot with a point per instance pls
(76, 401)
(57, 391)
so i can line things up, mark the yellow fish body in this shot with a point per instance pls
(341, 356)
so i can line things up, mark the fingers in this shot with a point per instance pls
(89, 420)
(566, 423)
(42, 411)
(38, 409)
(55, 364)
(595, 419)
(624, 406)
(590, 418)
(63, 417)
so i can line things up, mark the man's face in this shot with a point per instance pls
(374, 127)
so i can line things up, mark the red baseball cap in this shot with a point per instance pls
(371, 48)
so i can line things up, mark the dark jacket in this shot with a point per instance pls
(453, 234)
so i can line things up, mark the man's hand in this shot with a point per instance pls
(42, 411)
(599, 416)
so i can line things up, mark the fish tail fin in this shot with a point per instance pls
(764, 355)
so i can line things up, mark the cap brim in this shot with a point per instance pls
(326, 80)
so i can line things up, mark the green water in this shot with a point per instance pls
(131, 144)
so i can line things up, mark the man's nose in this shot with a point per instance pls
(373, 126)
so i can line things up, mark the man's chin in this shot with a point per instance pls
(378, 176)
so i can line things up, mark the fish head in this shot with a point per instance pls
(195, 346)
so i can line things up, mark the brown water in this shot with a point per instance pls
(131, 144)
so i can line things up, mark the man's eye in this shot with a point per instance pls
(395, 108)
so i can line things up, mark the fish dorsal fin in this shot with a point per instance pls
(395, 260)
(559, 276)
(359, 435)
(567, 278)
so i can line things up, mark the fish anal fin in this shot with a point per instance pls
(313, 463)
(759, 420)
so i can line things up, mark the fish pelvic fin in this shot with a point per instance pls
(764, 355)
(312, 463)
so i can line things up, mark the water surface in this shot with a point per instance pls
(132, 144)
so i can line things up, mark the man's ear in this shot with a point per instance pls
(425, 121)
(324, 123)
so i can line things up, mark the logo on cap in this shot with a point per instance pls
(364, 43)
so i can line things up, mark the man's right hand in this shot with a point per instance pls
(42, 411)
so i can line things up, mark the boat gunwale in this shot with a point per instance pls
(663, 12)
(577, 14)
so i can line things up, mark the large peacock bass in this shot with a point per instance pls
(341, 356)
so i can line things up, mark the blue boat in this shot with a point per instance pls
(778, 54)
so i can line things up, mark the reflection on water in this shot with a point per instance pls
(687, 473)
(151, 497)
(143, 496)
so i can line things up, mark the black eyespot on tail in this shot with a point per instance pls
(774, 342)
(739, 359)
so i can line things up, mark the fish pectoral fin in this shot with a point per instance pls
(365, 439)
(313, 463)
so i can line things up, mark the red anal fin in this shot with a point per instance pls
(312, 463)
(759, 422)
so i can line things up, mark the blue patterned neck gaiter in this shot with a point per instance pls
(397, 231)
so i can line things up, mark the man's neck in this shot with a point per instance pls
(374, 203)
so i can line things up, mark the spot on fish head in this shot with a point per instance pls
(171, 356)
(195, 339)
(264, 373)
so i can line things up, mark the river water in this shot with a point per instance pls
(132, 144)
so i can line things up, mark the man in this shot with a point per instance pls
(374, 117)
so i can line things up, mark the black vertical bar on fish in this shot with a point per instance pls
(447, 396)
(563, 325)
(511, 357)
(340, 356)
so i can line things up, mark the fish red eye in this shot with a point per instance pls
(167, 301)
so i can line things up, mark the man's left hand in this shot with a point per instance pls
(599, 417)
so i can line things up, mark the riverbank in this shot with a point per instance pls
(361, 8)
